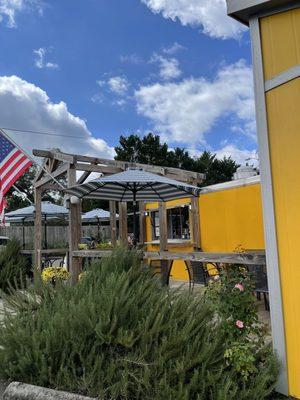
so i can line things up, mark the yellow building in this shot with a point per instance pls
(230, 216)
(275, 36)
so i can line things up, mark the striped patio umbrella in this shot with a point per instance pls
(134, 185)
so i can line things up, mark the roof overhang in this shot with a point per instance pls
(242, 10)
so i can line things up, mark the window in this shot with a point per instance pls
(155, 224)
(178, 223)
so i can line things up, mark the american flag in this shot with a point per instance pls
(13, 163)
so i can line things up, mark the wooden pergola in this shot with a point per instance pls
(62, 167)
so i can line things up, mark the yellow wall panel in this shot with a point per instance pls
(280, 35)
(232, 218)
(228, 219)
(283, 107)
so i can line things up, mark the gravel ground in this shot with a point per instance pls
(2, 389)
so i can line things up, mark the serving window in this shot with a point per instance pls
(177, 220)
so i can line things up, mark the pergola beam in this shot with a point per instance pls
(113, 222)
(41, 171)
(74, 229)
(62, 169)
(142, 222)
(58, 155)
(123, 230)
(174, 173)
(195, 222)
(38, 229)
(101, 169)
(83, 177)
(163, 241)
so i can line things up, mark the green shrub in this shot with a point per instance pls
(13, 266)
(118, 335)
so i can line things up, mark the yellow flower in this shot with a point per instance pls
(82, 275)
(53, 274)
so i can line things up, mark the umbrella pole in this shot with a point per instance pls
(46, 239)
(23, 233)
(134, 218)
(98, 230)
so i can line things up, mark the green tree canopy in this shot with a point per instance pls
(150, 150)
(25, 185)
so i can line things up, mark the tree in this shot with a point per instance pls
(180, 158)
(25, 185)
(216, 170)
(221, 170)
(149, 150)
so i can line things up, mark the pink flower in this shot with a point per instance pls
(239, 324)
(216, 277)
(240, 287)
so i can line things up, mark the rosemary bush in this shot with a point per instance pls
(13, 266)
(118, 335)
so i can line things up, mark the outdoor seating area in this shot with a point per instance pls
(149, 200)
(169, 238)
(200, 266)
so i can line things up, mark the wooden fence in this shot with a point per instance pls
(57, 236)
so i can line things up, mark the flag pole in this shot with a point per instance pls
(30, 157)
(22, 193)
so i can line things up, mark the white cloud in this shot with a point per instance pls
(187, 110)
(97, 98)
(241, 156)
(10, 8)
(169, 67)
(174, 48)
(39, 60)
(131, 59)
(25, 106)
(118, 85)
(120, 102)
(211, 15)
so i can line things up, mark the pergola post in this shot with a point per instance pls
(113, 223)
(74, 229)
(123, 229)
(195, 223)
(163, 241)
(38, 229)
(142, 219)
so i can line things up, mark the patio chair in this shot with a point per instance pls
(156, 268)
(261, 283)
(197, 273)
(201, 273)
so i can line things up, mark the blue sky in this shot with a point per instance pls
(97, 69)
